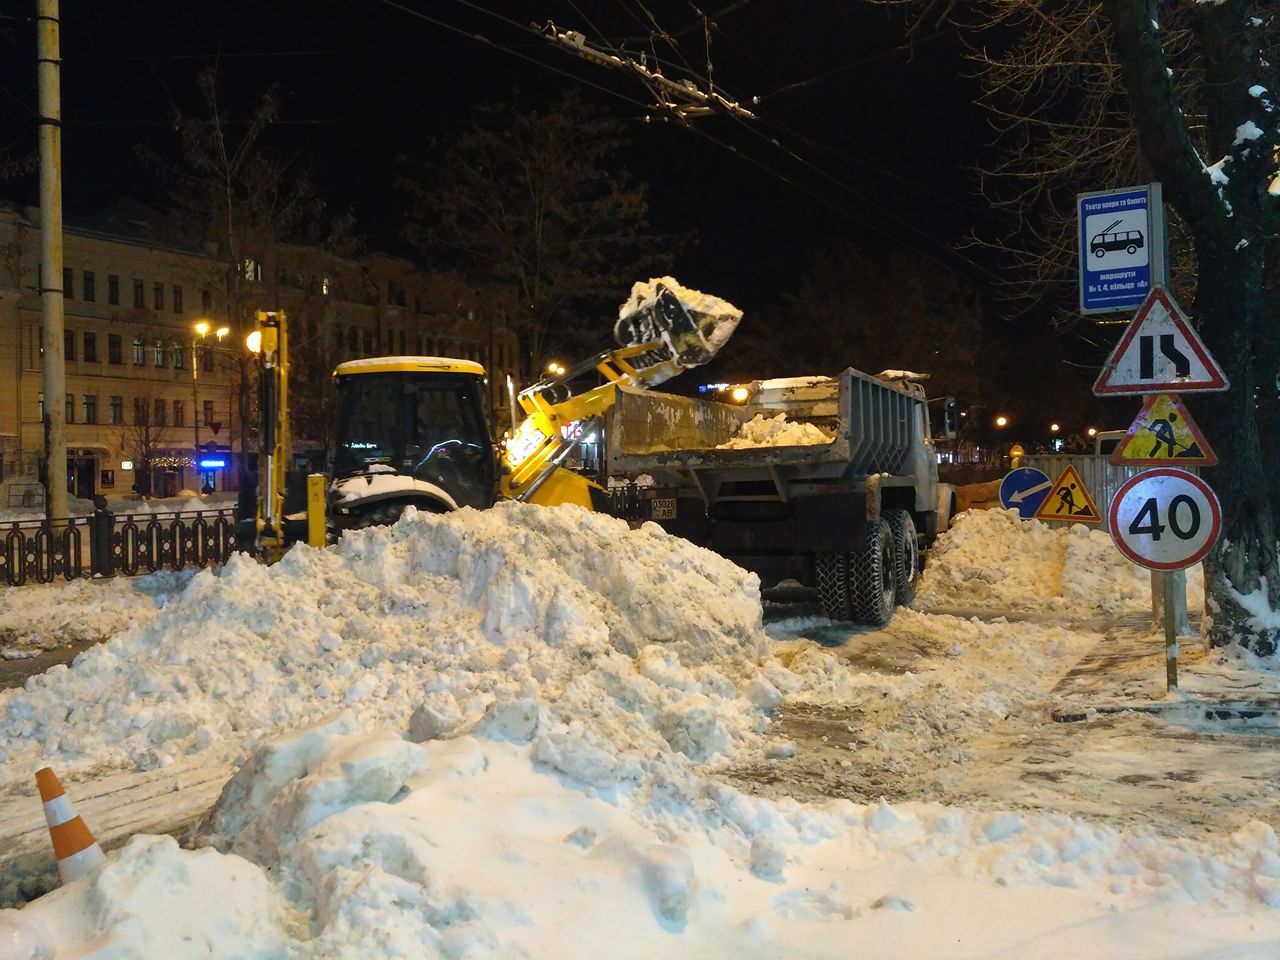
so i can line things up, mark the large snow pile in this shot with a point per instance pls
(991, 559)
(777, 431)
(338, 842)
(555, 612)
(516, 718)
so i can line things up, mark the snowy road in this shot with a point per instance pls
(462, 731)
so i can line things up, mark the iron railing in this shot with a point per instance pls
(104, 544)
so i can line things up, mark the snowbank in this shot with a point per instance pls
(38, 617)
(762, 431)
(457, 612)
(343, 843)
(990, 559)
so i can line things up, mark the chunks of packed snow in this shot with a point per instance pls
(777, 431)
(451, 611)
(992, 559)
(716, 318)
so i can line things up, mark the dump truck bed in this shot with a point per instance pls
(872, 424)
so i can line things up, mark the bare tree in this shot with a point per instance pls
(540, 201)
(234, 195)
(1089, 95)
(143, 438)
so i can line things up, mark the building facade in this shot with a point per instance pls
(154, 360)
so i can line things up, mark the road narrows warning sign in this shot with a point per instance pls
(1069, 499)
(1163, 435)
(1160, 352)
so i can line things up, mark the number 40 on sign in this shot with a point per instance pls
(1165, 519)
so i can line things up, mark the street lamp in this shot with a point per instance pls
(1054, 428)
(201, 327)
(1002, 421)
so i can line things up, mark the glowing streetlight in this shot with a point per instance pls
(1054, 428)
(202, 327)
(740, 394)
(254, 341)
(1002, 421)
(1093, 431)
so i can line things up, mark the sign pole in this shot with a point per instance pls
(1170, 633)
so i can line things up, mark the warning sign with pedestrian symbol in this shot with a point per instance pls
(1069, 499)
(1164, 435)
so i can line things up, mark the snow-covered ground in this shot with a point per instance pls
(527, 732)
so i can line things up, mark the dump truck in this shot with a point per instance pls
(849, 515)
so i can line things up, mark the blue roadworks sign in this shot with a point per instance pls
(1121, 247)
(1023, 490)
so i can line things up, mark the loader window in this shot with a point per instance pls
(368, 425)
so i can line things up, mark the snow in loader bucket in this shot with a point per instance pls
(692, 326)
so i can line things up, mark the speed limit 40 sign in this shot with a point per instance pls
(1165, 519)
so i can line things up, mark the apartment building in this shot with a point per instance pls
(153, 359)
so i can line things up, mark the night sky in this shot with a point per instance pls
(860, 137)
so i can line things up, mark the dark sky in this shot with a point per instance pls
(859, 137)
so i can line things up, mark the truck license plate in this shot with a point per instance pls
(664, 508)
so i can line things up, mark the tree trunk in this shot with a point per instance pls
(1230, 223)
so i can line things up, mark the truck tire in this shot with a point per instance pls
(859, 585)
(831, 577)
(873, 580)
(906, 554)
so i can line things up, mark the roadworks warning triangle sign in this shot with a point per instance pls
(1160, 352)
(1069, 499)
(1164, 435)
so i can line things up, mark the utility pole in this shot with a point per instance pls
(48, 75)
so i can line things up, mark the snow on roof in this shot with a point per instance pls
(426, 364)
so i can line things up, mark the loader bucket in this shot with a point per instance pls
(686, 332)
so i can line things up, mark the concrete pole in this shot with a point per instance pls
(48, 75)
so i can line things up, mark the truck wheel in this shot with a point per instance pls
(859, 585)
(831, 576)
(872, 583)
(906, 553)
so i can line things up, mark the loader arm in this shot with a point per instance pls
(666, 337)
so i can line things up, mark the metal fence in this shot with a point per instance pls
(104, 544)
(1101, 477)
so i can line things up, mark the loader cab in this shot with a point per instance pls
(410, 430)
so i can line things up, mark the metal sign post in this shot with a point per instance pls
(1166, 520)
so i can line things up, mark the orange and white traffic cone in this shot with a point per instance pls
(73, 845)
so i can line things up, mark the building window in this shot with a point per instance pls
(252, 270)
(89, 289)
(208, 412)
(206, 359)
(115, 410)
(107, 479)
(89, 407)
(68, 284)
(337, 338)
(325, 288)
(179, 356)
(157, 296)
(352, 342)
(206, 299)
(177, 298)
(40, 407)
(159, 359)
(91, 347)
(139, 352)
(139, 295)
(368, 343)
(179, 414)
(69, 345)
(140, 411)
(418, 338)
(160, 411)
(402, 343)
(113, 290)
(114, 348)
(284, 276)
(71, 408)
